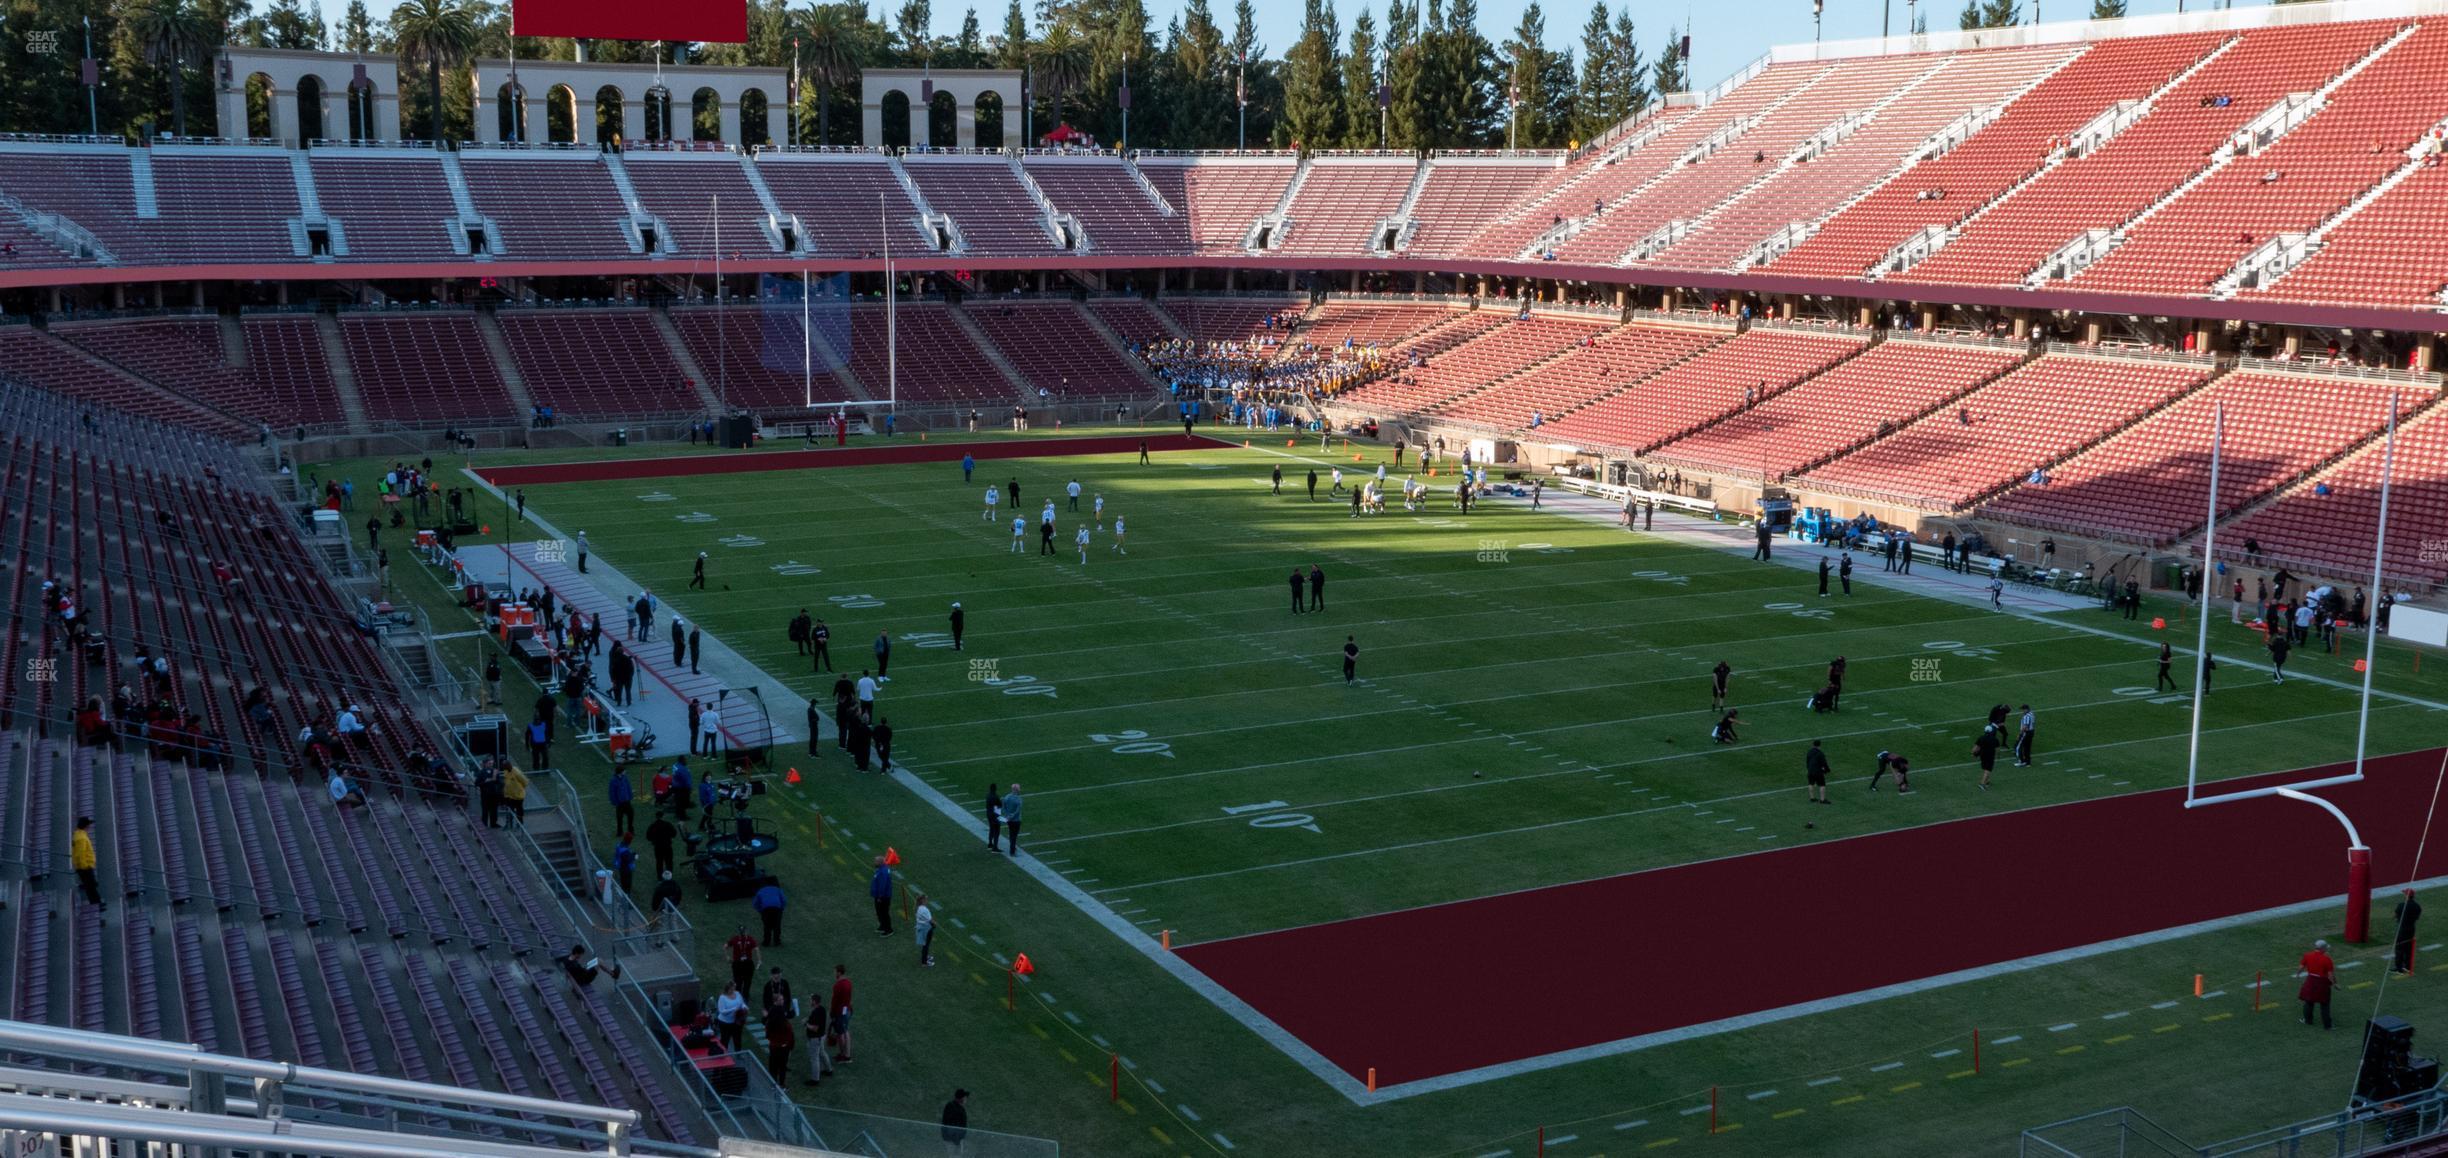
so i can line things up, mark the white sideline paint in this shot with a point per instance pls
(1880, 1069)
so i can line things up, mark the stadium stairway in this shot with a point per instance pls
(488, 327)
(994, 354)
(344, 375)
(1121, 348)
(682, 358)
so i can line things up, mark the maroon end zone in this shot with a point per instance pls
(901, 452)
(1427, 992)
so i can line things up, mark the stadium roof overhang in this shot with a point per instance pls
(2266, 312)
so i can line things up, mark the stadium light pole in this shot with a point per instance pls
(91, 73)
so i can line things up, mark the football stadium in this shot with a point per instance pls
(852, 602)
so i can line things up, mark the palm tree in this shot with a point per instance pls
(1059, 64)
(174, 32)
(439, 34)
(829, 50)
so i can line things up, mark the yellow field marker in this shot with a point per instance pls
(1067, 1055)
(1661, 1142)
(2362, 985)
(2218, 1017)
(2012, 1063)
(1039, 1030)
(1162, 1138)
(2170, 1027)
(1729, 1128)
(2118, 1039)
(1781, 1115)
(1849, 1101)
(1904, 1087)
(1960, 1074)
(1127, 1108)
(2072, 1049)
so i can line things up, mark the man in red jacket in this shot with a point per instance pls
(2319, 975)
(841, 1012)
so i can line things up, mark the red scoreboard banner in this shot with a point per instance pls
(719, 21)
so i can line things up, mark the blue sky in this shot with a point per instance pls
(1726, 35)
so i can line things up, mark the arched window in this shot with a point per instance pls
(260, 113)
(990, 120)
(560, 115)
(896, 112)
(608, 119)
(943, 121)
(360, 110)
(755, 119)
(310, 108)
(509, 110)
(658, 114)
(705, 115)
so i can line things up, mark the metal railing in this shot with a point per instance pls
(2125, 1132)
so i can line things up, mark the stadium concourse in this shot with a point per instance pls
(320, 510)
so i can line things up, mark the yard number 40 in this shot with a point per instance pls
(1274, 819)
(1133, 743)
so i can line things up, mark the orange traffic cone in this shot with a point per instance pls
(792, 777)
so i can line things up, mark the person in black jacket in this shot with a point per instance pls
(696, 645)
(1719, 676)
(956, 1120)
(1814, 776)
(1987, 749)
(1297, 588)
(815, 729)
(843, 693)
(1317, 588)
(2408, 912)
(661, 835)
(1823, 578)
(1844, 572)
(623, 670)
(798, 632)
(679, 641)
(820, 647)
(960, 623)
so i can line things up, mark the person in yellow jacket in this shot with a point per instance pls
(514, 792)
(81, 858)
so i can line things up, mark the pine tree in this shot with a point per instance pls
(1668, 73)
(1313, 106)
(1360, 81)
(1011, 49)
(1600, 78)
(1471, 110)
(1406, 117)
(1198, 75)
(356, 29)
(2107, 9)
(1632, 95)
(1990, 14)
(1529, 101)
(1260, 92)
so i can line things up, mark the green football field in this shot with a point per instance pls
(1532, 709)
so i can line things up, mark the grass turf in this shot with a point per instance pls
(1560, 661)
